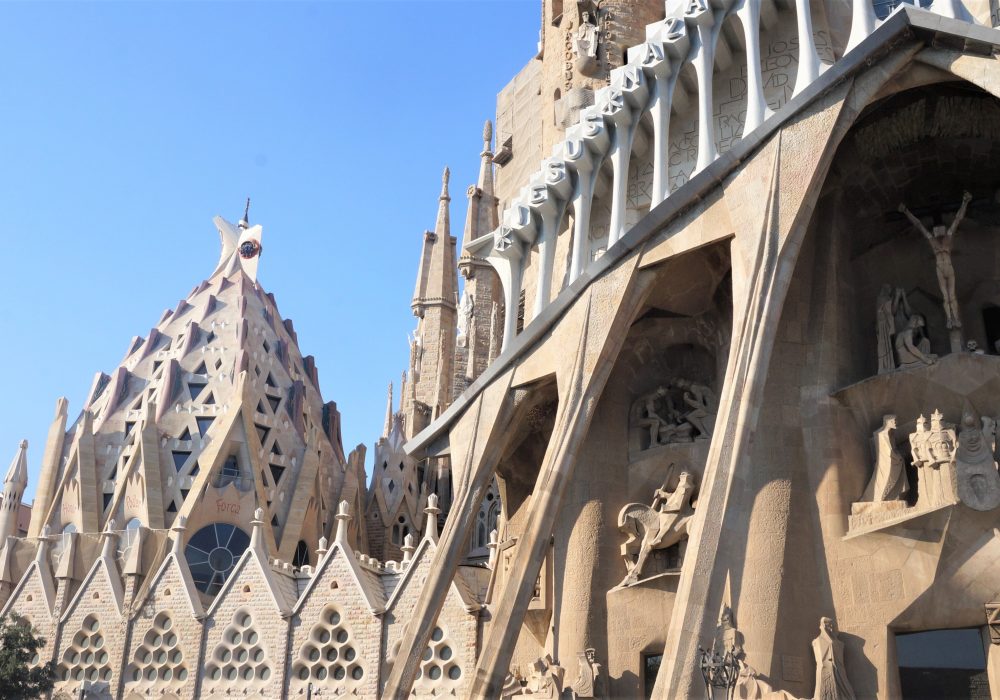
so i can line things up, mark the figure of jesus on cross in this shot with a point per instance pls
(941, 240)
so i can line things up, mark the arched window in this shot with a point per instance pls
(301, 557)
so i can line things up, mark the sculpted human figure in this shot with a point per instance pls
(913, 349)
(888, 482)
(704, 405)
(659, 526)
(651, 419)
(589, 681)
(920, 454)
(890, 303)
(831, 678)
(941, 445)
(941, 240)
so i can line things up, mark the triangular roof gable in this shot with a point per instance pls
(47, 584)
(428, 547)
(114, 581)
(375, 606)
(267, 575)
(190, 591)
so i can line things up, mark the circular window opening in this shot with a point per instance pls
(212, 552)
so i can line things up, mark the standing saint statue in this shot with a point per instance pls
(941, 240)
(831, 678)
(892, 313)
(888, 483)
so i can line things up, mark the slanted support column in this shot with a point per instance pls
(580, 387)
(507, 258)
(748, 12)
(483, 434)
(809, 64)
(50, 469)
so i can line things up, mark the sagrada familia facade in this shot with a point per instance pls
(713, 411)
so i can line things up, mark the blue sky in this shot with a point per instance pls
(125, 127)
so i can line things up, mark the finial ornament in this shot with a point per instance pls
(487, 133)
(444, 183)
(23, 444)
(245, 221)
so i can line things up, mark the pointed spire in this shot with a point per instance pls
(18, 471)
(431, 513)
(343, 517)
(388, 414)
(481, 217)
(110, 538)
(13, 489)
(437, 279)
(322, 549)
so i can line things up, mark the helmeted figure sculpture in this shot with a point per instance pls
(661, 525)
(888, 482)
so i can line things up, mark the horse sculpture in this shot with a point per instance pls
(659, 526)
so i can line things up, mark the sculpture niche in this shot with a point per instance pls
(659, 526)
(682, 411)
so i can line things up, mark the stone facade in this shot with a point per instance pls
(724, 366)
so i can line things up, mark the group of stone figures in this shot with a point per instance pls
(828, 650)
(949, 467)
(547, 679)
(681, 411)
(902, 334)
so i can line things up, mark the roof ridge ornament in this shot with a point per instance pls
(241, 248)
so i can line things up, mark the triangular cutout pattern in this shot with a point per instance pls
(180, 459)
(275, 402)
(204, 423)
(186, 435)
(209, 400)
(202, 369)
(194, 388)
(276, 472)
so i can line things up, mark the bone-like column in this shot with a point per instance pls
(622, 105)
(660, 58)
(748, 12)
(549, 192)
(809, 64)
(701, 17)
(507, 258)
(863, 23)
(584, 149)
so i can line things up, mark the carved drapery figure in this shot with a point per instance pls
(682, 411)
(941, 452)
(920, 454)
(888, 482)
(585, 44)
(546, 678)
(466, 311)
(892, 313)
(831, 678)
(975, 470)
(913, 349)
(941, 240)
(659, 526)
(589, 682)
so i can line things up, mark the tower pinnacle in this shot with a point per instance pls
(245, 221)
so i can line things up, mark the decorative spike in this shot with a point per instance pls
(343, 517)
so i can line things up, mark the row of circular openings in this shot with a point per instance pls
(336, 672)
(234, 637)
(164, 673)
(159, 658)
(233, 673)
(240, 656)
(74, 657)
(433, 671)
(311, 654)
(84, 674)
(155, 639)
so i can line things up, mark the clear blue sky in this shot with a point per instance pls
(125, 127)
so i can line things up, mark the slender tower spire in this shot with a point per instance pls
(388, 414)
(13, 489)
